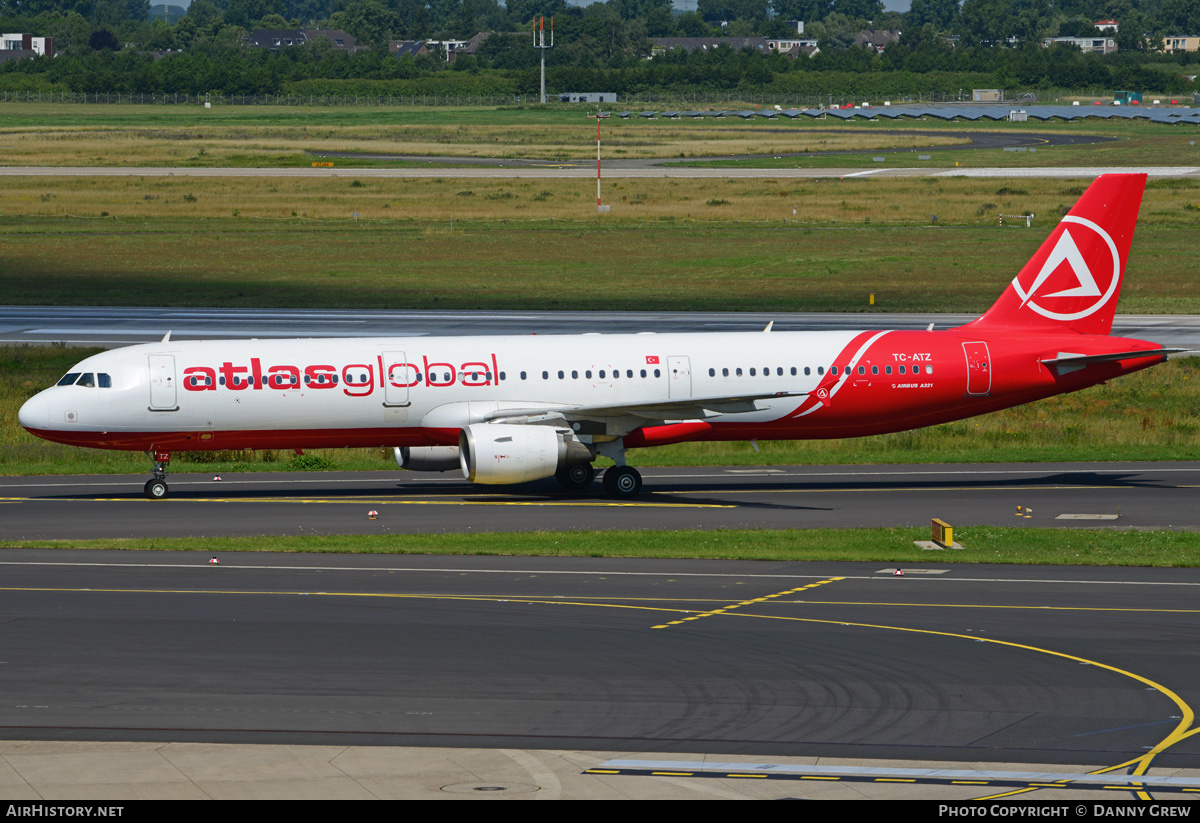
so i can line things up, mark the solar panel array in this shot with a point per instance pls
(1170, 116)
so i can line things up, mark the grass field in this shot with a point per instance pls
(1150, 415)
(67, 135)
(673, 244)
(129, 135)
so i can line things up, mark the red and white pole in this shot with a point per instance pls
(597, 158)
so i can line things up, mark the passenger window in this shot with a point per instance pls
(887, 369)
(807, 372)
(522, 375)
(712, 372)
(833, 371)
(545, 375)
(738, 371)
(657, 373)
(752, 373)
(929, 369)
(820, 370)
(874, 370)
(588, 374)
(629, 372)
(862, 369)
(602, 374)
(644, 372)
(69, 379)
(574, 374)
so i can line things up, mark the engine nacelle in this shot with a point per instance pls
(498, 453)
(427, 458)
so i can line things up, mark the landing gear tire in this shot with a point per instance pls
(622, 482)
(577, 477)
(156, 489)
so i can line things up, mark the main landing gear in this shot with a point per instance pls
(156, 486)
(577, 477)
(620, 481)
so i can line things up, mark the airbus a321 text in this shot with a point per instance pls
(512, 409)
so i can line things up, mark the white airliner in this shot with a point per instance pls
(517, 408)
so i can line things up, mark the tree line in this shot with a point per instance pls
(118, 46)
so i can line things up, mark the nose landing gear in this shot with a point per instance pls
(156, 486)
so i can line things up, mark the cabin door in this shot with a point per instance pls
(398, 376)
(679, 377)
(979, 368)
(162, 383)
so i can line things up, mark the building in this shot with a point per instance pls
(795, 46)
(1088, 45)
(1107, 25)
(26, 44)
(413, 48)
(876, 40)
(588, 97)
(1175, 43)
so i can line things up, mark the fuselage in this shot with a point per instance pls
(297, 394)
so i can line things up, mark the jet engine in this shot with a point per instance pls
(498, 453)
(427, 458)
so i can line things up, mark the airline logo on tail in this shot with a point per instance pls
(1071, 284)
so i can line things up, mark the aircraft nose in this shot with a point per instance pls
(35, 414)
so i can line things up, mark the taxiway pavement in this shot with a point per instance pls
(1124, 495)
(840, 667)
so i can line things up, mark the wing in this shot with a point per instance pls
(693, 408)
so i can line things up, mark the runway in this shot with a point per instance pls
(123, 325)
(1125, 495)
(966, 664)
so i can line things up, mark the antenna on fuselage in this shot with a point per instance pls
(167, 336)
(769, 325)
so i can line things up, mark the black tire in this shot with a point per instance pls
(623, 482)
(577, 477)
(156, 489)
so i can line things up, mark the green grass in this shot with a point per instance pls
(982, 544)
(795, 245)
(1150, 415)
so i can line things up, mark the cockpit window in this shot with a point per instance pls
(104, 381)
(69, 379)
(88, 380)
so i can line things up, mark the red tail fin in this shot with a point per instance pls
(1074, 280)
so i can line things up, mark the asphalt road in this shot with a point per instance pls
(967, 664)
(1132, 495)
(119, 325)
